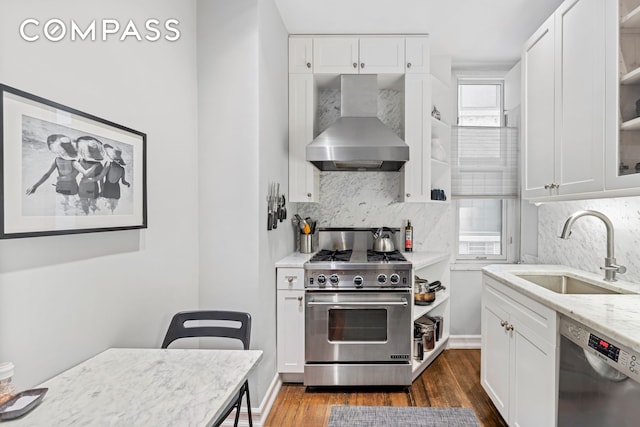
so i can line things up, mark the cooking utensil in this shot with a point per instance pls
(382, 242)
(427, 293)
(283, 209)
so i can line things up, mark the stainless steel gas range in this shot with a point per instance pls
(357, 313)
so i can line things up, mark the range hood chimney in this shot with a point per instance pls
(358, 140)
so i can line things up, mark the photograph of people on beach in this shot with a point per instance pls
(71, 172)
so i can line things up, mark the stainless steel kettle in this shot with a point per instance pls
(382, 242)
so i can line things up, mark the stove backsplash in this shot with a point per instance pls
(371, 199)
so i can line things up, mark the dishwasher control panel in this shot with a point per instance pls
(614, 354)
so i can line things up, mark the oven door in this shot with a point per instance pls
(361, 326)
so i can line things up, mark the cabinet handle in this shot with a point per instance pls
(503, 323)
(509, 328)
(547, 186)
(290, 279)
(300, 302)
(355, 65)
(308, 64)
(308, 194)
(408, 64)
(362, 65)
(408, 194)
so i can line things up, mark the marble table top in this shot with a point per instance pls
(144, 387)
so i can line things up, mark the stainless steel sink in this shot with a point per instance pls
(565, 284)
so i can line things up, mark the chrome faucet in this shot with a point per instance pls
(610, 267)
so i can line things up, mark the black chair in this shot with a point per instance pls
(177, 330)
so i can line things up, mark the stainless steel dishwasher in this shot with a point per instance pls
(598, 379)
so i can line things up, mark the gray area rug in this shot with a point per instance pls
(394, 416)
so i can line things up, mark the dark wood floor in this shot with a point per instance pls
(452, 380)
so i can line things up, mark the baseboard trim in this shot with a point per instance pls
(260, 414)
(464, 341)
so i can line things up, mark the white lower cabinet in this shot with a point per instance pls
(290, 320)
(518, 356)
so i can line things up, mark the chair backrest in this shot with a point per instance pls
(177, 328)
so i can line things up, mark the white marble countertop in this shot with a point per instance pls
(615, 315)
(144, 387)
(418, 259)
(294, 260)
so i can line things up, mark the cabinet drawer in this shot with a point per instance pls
(536, 317)
(290, 278)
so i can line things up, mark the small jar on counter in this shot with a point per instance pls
(7, 388)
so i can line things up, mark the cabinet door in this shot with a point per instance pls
(290, 331)
(416, 181)
(335, 55)
(580, 65)
(495, 354)
(538, 112)
(417, 55)
(382, 55)
(301, 55)
(533, 397)
(304, 182)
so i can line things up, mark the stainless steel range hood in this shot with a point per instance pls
(358, 140)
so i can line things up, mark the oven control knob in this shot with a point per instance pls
(395, 279)
(358, 281)
(382, 278)
(334, 279)
(322, 279)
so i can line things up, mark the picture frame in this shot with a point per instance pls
(64, 171)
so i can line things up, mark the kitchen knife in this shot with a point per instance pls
(269, 209)
(276, 206)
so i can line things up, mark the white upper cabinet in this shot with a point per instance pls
(335, 55)
(416, 182)
(417, 55)
(563, 81)
(379, 55)
(349, 55)
(304, 183)
(301, 55)
(580, 64)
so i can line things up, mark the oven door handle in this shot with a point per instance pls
(404, 303)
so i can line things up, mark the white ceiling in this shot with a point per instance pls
(476, 33)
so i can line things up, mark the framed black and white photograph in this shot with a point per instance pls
(65, 171)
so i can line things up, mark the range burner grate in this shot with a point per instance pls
(328, 255)
(385, 256)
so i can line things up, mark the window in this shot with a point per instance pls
(484, 177)
(480, 228)
(480, 103)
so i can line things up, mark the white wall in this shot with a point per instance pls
(66, 298)
(242, 65)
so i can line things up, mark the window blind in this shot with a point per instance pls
(484, 162)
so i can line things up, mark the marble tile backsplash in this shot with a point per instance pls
(587, 246)
(372, 199)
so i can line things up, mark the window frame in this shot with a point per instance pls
(499, 81)
(510, 206)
